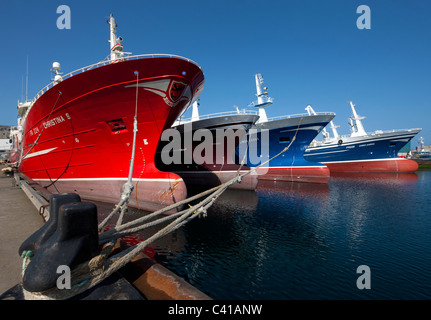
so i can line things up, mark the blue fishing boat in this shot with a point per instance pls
(270, 136)
(361, 151)
(422, 153)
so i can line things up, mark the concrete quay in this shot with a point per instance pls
(19, 218)
(141, 279)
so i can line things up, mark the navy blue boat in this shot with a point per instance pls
(268, 137)
(361, 151)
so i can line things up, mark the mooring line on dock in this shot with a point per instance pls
(92, 272)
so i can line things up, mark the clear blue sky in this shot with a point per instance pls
(308, 51)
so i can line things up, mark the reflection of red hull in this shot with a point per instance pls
(385, 165)
(78, 135)
(288, 186)
(383, 177)
(318, 174)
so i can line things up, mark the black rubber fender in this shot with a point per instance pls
(74, 241)
(33, 242)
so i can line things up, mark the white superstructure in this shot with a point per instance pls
(263, 100)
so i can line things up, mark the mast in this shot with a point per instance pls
(56, 67)
(262, 99)
(421, 142)
(334, 129)
(195, 111)
(26, 82)
(358, 123)
(116, 47)
(23, 106)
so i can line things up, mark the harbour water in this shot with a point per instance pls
(306, 241)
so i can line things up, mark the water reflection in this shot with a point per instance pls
(304, 241)
(362, 196)
(171, 243)
(232, 200)
(382, 177)
(295, 189)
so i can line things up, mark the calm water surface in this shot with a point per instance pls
(305, 241)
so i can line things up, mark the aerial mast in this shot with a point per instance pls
(358, 123)
(262, 98)
(195, 111)
(116, 47)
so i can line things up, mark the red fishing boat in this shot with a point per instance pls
(77, 134)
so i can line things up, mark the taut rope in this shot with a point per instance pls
(91, 273)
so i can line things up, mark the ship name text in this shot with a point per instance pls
(50, 123)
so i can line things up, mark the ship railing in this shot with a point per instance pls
(104, 63)
(218, 114)
(377, 132)
(391, 131)
(300, 115)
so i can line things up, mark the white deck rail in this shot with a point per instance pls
(104, 63)
(218, 114)
(300, 115)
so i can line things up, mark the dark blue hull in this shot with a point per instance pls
(370, 147)
(267, 140)
(374, 152)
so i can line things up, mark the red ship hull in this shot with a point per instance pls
(78, 136)
(401, 165)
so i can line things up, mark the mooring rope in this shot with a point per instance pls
(92, 272)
